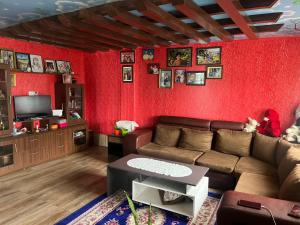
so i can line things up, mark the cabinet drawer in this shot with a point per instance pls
(118, 140)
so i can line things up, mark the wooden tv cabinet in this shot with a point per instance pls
(31, 149)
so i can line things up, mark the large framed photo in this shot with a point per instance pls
(148, 54)
(127, 57)
(214, 72)
(36, 64)
(23, 62)
(50, 66)
(63, 67)
(208, 56)
(165, 79)
(180, 76)
(8, 57)
(195, 78)
(127, 74)
(179, 57)
(153, 68)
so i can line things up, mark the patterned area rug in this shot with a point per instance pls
(114, 210)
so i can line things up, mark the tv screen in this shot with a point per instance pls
(32, 106)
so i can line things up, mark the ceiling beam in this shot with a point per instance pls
(156, 13)
(143, 24)
(194, 12)
(229, 7)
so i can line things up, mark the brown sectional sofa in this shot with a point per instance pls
(262, 166)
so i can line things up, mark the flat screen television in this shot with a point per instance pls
(27, 107)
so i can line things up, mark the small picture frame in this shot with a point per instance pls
(208, 56)
(63, 67)
(127, 57)
(179, 57)
(23, 62)
(195, 78)
(214, 72)
(165, 79)
(36, 64)
(179, 76)
(153, 68)
(50, 66)
(7, 56)
(127, 73)
(148, 54)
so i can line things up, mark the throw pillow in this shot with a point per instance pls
(195, 140)
(289, 190)
(282, 148)
(264, 148)
(166, 135)
(233, 142)
(288, 162)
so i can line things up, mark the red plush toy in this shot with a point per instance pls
(270, 125)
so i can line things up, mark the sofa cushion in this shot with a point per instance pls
(282, 147)
(290, 189)
(288, 162)
(195, 140)
(218, 161)
(169, 153)
(264, 148)
(166, 135)
(258, 184)
(252, 165)
(233, 142)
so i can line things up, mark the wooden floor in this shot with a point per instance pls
(46, 193)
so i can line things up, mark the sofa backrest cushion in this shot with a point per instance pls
(290, 189)
(167, 135)
(187, 122)
(264, 148)
(233, 142)
(195, 140)
(282, 148)
(288, 162)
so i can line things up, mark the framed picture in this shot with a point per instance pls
(36, 64)
(50, 66)
(23, 62)
(214, 72)
(8, 57)
(195, 78)
(148, 54)
(127, 74)
(153, 68)
(208, 56)
(179, 57)
(127, 57)
(63, 67)
(165, 79)
(180, 76)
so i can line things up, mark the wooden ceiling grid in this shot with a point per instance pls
(114, 25)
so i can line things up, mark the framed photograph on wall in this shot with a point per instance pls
(148, 54)
(153, 68)
(179, 57)
(127, 57)
(127, 74)
(50, 66)
(7, 56)
(180, 76)
(23, 62)
(63, 67)
(214, 72)
(165, 79)
(36, 64)
(195, 78)
(208, 56)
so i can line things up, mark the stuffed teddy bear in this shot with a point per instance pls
(270, 125)
(251, 125)
(293, 133)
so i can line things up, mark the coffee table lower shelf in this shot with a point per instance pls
(146, 192)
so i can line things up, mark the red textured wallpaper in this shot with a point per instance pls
(44, 83)
(257, 75)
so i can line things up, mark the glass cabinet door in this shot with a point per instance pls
(75, 102)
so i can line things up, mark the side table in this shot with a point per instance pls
(115, 147)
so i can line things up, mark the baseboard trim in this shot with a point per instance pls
(101, 139)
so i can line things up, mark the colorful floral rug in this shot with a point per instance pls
(114, 210)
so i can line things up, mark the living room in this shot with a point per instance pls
(189, 107)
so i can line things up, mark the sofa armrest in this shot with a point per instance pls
(229, 213)
(135, 140)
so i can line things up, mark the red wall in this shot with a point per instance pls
(257, 75)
